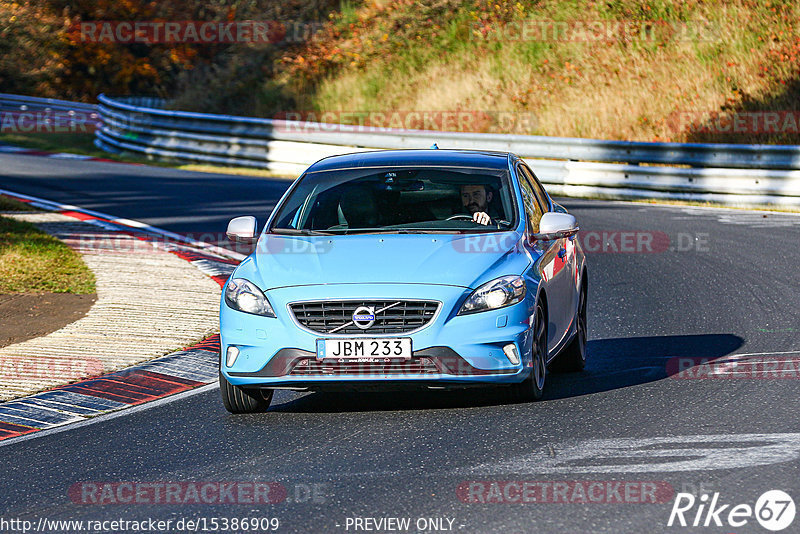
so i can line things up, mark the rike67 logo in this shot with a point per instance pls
(774, 510)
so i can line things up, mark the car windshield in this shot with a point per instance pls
(398, 200)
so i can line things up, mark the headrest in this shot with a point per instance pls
(357, 207)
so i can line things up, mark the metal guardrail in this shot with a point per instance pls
(142, 125)
(22, 103)
(755, 175)
(30, 112)
(149, 114)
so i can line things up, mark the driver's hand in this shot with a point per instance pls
(482, 217)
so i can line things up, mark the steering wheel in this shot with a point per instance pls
(460, 216)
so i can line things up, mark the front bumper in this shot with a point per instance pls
(451, 351)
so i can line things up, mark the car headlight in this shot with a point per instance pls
(244, 296)
(498, 293)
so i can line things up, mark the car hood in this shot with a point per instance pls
(448, 259)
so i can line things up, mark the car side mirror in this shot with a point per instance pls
(242, 229)
(556, 226)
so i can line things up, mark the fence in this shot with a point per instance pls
(746, 175)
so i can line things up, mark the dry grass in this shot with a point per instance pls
(690, 203)
(241, 171)
(647, 90)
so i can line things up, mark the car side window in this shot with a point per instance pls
(538, 190)
(533, 209)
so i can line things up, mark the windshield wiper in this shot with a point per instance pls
(396, 231)
(298, 231)
(362, 231)
(349, 231)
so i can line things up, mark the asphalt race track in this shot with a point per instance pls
(718, 283)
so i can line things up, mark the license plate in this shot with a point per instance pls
(366, 349)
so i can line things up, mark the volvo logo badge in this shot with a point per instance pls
(364, 317)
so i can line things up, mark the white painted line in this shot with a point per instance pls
(132, 223)
(660, 454)
(762, 353)
(119, 412)
(67, 155)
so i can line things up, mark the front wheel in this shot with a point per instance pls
(240, 400)
(573, 359)
(532, 388)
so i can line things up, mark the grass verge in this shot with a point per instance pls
(9, 204)
(32, 261)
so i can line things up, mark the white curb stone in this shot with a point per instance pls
(149, 303)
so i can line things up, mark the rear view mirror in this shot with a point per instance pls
(556, 226)
(242, 229)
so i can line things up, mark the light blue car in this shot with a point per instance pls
(405, 269)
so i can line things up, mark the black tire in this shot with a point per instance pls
(573, 358)
(240, 400)
(532, 388)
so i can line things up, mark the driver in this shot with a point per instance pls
(475, 199)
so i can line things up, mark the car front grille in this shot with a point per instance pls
(391, 316)
(314, 367)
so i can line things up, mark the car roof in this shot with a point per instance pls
(413, 158)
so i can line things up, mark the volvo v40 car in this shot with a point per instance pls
(405, 269)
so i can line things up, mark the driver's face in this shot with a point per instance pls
(475, 198)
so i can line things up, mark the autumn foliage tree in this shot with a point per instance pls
(44, 52)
